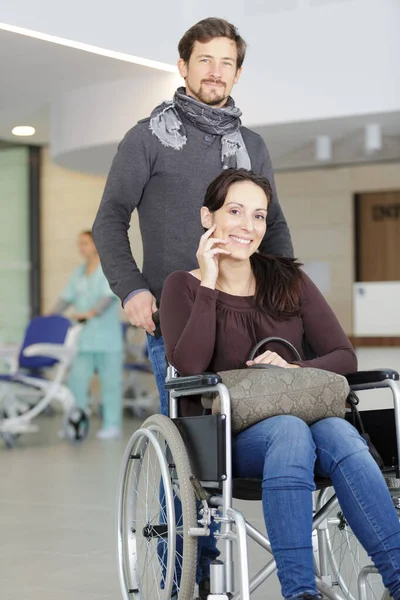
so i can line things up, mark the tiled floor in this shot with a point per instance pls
(57, 510)
(57, 517)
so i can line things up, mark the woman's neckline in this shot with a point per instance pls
(92, 272)
(222, 292)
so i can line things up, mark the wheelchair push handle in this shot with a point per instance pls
(156, 320)
(82, 321)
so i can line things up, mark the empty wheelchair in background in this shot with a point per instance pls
(187, 461)
(27, 390)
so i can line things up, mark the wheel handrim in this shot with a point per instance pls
(147, 528)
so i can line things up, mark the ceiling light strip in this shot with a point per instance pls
(54, 39)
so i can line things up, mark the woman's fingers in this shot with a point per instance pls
(207, 234)
(207, 241)
(215, 251)
(269, 358)
(212, 243)
(278, 361)
(263, 358)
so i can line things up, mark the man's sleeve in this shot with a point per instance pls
(128, 176)
(277, 239)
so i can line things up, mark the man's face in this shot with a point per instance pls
(211, 71)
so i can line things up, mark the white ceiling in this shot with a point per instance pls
(292, 145)
(35, 73)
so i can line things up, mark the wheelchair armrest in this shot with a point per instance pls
(372, 376)
(56, 351)
(193, 381)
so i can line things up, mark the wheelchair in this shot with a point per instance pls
(27, 390)
(187, 461)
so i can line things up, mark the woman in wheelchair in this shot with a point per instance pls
(212, 318)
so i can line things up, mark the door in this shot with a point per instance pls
(378, 236)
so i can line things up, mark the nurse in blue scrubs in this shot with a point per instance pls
(101, 343)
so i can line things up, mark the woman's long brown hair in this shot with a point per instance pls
(278, 278)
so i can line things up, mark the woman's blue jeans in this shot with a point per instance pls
(207, 546)
(286, 453)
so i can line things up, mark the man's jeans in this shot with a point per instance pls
(286, 453)
(207, 546)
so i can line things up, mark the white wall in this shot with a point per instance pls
(318, 205)
(307, 59)
(69, 203)
(376, 358)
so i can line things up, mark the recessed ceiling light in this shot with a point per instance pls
(23, 130)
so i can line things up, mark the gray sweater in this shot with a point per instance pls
(167, 187)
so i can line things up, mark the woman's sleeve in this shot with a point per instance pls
(188, 324)
(101, 305)
(59, 307)
(324, 333)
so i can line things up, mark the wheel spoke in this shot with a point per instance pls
(151, 491)
(347, 558)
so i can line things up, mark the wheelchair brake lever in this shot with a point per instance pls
(200, 492)
(205, 511)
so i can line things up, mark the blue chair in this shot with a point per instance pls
(50, 343)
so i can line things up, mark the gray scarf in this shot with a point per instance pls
(166, 125)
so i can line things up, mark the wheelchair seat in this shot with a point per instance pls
(247, 489)
(250, 488)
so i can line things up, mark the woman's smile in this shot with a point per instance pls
(240, 240)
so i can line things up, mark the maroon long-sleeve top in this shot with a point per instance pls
(209, 330)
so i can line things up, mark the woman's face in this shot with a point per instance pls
(86, 246)
(242, 220)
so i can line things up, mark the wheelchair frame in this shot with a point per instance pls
(43, 391)
(234, 526)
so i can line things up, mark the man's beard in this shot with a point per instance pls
(210, 97)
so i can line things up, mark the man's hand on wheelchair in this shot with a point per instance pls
(271, 358)
(140, 310)
(83, 317)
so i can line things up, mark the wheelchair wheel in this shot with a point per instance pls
(76, 425)
(8, 439)
(10, 411)
(347, 558)
(156, 508)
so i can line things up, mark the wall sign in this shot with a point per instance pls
(382, 212)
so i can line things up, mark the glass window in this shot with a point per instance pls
(14, 244)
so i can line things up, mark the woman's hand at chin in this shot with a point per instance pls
(208, 255)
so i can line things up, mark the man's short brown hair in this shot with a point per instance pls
(206, 30)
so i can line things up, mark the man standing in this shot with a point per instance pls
(163, 167)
